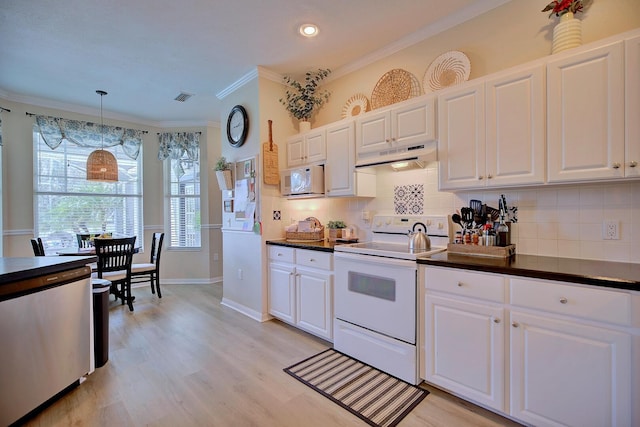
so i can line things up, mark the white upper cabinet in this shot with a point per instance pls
(394, 129)
(461, 137)
(491, 133)
(341, 178)
(306, 148)
(586, 114)
(632, 110)
(339, 172)
(515, 125)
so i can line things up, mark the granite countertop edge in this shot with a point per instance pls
(321, 246)
(607, 274)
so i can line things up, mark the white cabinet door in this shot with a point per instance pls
(316, 150)
(339, 171)
(461, 137)
(585, 115)
(464, 348)
(373, 132)
(632, 108)
(306, 148)
(295, 151)
(515, 128)
(314, 298)
(282, 291)
(568, 374)
(413, 123)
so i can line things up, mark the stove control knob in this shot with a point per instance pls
(428, 222)
(388, 221)
(378, 224)
(440, 226)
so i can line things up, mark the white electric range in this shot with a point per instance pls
(376, 294)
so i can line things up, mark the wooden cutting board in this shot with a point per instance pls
(270, 160)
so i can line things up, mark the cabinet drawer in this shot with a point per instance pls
(589, 303)
(282, 254)
(460, 282)
(314, 259)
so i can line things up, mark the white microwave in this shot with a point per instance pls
(306, 181)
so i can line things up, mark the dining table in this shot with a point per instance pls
(83, 251)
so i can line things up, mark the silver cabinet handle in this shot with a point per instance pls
(515, 324)
(460, 284)
(480, 178)
(496, 320)
(312, 260)
(489, 176)
(633, 164)
(616, 165)
(563, 300)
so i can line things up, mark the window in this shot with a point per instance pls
(182, 189)
(183, 200)
(66, 203)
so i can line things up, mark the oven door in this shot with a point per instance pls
(377, 293)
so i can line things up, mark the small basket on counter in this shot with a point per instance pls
(479, 250)
(316, 235)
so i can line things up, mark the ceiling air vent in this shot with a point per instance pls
(183, 96)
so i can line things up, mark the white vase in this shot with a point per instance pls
(304, 126)
(567, 33)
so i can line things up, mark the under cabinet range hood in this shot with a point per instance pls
(416, 156)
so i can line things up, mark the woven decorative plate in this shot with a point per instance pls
(356, 105)
(394, 86)
(446, 70)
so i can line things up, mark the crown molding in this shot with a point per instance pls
(89, 111)
(250, 76)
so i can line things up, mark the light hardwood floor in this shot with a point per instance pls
(186, 360)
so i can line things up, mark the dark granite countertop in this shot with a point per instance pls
(598, 273)
(323, 245)
(15, 269)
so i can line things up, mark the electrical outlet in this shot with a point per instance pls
(610, 230)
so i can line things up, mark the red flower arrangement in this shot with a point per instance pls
(560, 7)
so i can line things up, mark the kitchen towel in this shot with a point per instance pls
(372, 395)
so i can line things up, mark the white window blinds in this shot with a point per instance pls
(67, 204)
(181, 152)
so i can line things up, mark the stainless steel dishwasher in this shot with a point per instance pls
(46, 335)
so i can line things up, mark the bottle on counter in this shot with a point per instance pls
(502, 233)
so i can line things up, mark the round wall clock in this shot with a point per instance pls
(237, 126)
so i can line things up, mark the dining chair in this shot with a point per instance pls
(38, 247)
(150, 271)
(84, 239)
(115, 257)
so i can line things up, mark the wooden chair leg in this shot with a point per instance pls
(129, 297)
(156, 279)
(153, 288)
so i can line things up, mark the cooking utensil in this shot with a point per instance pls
(476, 205)
(493, 213)
(418, 240)
(457, 219)
(467, 216)
(270, 160)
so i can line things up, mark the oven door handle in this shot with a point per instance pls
(372, 259)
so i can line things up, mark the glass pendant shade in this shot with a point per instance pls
(101, 164)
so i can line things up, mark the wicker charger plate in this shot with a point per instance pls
(394, 86)
(446, 70)
(356, 105)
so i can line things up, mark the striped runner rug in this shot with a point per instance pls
(372, 395)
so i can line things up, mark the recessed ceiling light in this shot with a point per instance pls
(309, 30)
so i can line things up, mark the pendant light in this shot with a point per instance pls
(101, 164)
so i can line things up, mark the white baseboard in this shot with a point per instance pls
(249, 312)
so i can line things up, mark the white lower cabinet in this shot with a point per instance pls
(568, 374)
(465, 344)
(542, 352)
(301, 289)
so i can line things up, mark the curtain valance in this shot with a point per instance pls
(86, 134)
(179, 146)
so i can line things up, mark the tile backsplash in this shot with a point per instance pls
(559, 220)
